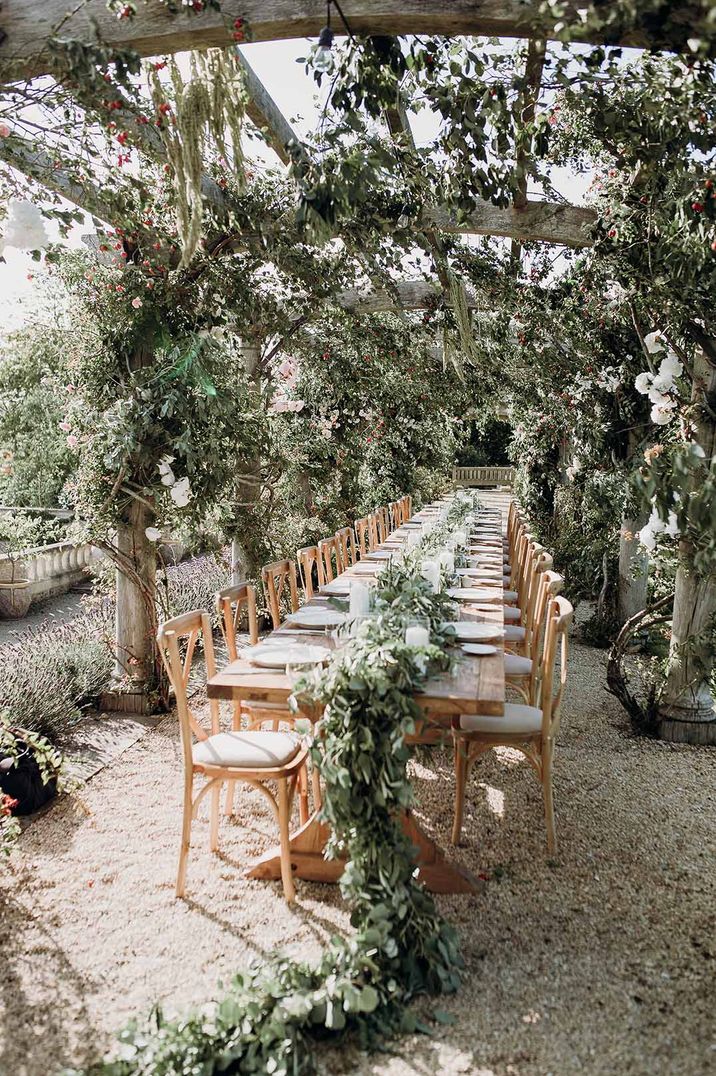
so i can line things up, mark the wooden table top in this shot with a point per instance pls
(478, 687)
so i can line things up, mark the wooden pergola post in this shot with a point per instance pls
(244, 562)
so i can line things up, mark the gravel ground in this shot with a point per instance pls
(601, 961)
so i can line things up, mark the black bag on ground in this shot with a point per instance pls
(22, 781)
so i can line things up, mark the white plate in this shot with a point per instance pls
(480, 573)
(467, 632)
(316, 618)
(379, 555)
(278, 655)
(340, 588)
(478, 650)
(475, 594)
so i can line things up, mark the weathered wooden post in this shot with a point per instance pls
(686, 712)
(244, 561)
(134, 677)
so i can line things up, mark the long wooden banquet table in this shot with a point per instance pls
(477, 688)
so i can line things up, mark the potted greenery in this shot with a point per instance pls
(30, 775)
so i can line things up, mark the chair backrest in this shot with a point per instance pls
(230, 604)
(188, 628)
(383, 522)
(407, 507)
(396, 515)
(276, 577)
(374, 530)
(362, 528)
(307, 558)
(347, 552)
(329, 558)
(556, 646)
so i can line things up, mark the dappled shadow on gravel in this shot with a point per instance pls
(599, 961)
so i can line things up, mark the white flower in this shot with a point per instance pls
(654, 342)
(660, 384)
(657, 395)
(642, 383)
(180, 493)
(672, 526)
(165, 471)
(661, 413)
(25, 226)
(670, 366)
(647, 538)
(153, 533)
(697, 450)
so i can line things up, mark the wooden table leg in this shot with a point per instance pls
(435, 870)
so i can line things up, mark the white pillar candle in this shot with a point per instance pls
(447, 560)
(416, 635)
(359, 599)
(430, 570)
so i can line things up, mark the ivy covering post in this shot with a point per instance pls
(687, 707)
(136, 622)
(244, 559)
(633, 582)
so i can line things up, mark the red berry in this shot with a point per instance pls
(697, 207)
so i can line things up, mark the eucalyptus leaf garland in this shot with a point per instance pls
(273, 1015)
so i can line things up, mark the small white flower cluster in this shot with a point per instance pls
(658, 386)
(180, 490)
(574, 468)
(280, 403)
(25, 227)
(655, 525)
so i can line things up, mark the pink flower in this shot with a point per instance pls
(69, 388)
(72, 441)
(136, 302)
(65, 426)
(4, 130)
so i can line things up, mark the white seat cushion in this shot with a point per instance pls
(249, 750)
(510, 595)
(514, 633)
(512, 612)
(516, 665)
(517, 718)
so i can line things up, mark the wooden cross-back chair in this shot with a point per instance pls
(329, 558)
(407, 502)
(396, 515)
(522, 658)
(362, 529)
(374, 530)
(530, 729)
(308, 560)
(383, 523)
(230, 604)
(347, 551)
(254, 757)
(279, 580)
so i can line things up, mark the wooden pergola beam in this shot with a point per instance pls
(547, 222)
(155, 30)
(404, 295)
(39, 165)
(265, 114)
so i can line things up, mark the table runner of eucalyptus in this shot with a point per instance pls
(273, 1015)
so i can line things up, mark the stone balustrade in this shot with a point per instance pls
(52, 569)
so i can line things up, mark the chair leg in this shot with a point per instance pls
(214, 827)
(316, 787)
(185, 840)
(289, 890)
(548, 799)
(461, 751)
(303, 810)
(229, 804)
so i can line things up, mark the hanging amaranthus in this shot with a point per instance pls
(208, 108)
(463, 319)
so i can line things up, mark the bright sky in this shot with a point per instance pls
(295, 93)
